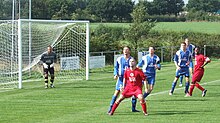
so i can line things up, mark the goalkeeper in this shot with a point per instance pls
(48, 59)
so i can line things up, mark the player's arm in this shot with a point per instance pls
(158, 65)
(124, 81)
(140, 63)
(176, 62)
(116, 70)
(123, 86)
(207, 60)
(190, 59)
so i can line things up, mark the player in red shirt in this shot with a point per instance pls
(200, 62)
(132, 86)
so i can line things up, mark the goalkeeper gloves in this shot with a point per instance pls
(45, 65)
(52, 65)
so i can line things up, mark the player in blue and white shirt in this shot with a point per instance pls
(191, 48)
(149, 64)
(122, 63)
(182, 60)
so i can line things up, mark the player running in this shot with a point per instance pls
(189, 47)
(149, 64)
(48, 59)
(121, 65)
(182, 60)
(200, 62)
(132, 86)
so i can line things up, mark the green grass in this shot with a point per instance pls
(202, 27)
(88, 101)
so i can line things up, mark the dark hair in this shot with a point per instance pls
(183, 43)
(134, 58)
(152, 47)
(199, 49)
(127, 47)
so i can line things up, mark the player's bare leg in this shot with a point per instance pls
(143, 104)
(191, 71)
(117, 102)
(173, 85)
(181, 81)
(149, 90)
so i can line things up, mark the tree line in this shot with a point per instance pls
(109, 10)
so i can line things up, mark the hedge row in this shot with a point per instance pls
(106, 38)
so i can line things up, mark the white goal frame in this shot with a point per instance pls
(54, 21)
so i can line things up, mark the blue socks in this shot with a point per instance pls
(112, 102)
(173, 86)
(133, 101)
(146, 94)
(187, 87)
(181, 79)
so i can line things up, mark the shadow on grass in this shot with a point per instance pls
(175, 112)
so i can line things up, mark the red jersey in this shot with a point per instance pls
(200, 60)
(134, 78)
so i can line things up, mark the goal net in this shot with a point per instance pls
(24, 41)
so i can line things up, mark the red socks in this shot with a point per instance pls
(144, 107)
(199, 87)
(192, 86)
(113, 108)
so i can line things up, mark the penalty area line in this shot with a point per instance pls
(167, 91)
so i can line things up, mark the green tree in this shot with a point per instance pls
(175, 6)
(204, 5)
(84, 14)
(122, 9)
(140, 28)
(163, 7)
(110, 10)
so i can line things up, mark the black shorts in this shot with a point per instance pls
(49, 70)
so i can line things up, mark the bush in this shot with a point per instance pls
(166, 18)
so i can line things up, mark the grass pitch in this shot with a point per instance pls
(88, 101)
(201, 27)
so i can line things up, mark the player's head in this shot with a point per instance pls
(151, 50)
(197, 50)
(183, 46)
(126, 50)
(186, 40)
(132, 62)
(49, 49)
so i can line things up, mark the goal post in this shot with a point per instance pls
(69, 39)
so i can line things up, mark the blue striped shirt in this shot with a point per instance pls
(149, 63)
(181, 58)
(121, 65)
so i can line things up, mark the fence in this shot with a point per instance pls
(165, 53)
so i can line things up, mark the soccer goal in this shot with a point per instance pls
(22, 42)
